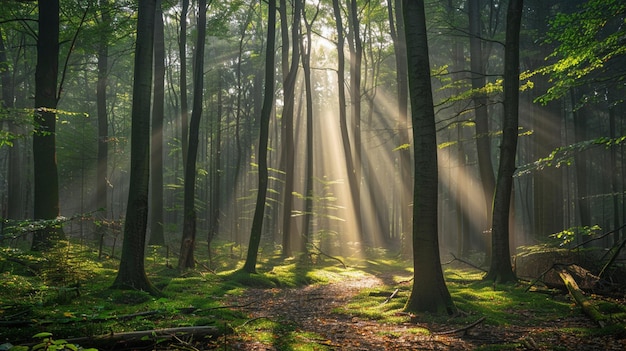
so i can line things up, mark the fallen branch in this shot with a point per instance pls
(320, 252)
(395, 292)
(466, 262)
(143, 337)
(463, 329)
(588, 308)
(613, 258)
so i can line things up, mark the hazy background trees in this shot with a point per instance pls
(348, 181)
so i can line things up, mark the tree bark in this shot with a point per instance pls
(46, 178)
(343, 119)
(289, 88)
(259, 211)
(404, 159)
(483, 140)
(356, 58)
(501, 269)
(429, 292)
(131, 273)
(186, 258)
(182, 54)
(156, 219)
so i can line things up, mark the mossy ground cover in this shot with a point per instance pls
(67, 292)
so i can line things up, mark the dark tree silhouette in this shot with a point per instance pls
(46, 178)
(132, 272)
(429, 292)
(266, 110)
(186, 259)
(500, 269)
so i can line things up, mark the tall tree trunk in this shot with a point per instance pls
(501, 269)
(186, 258)
(306, 65)
(343, 119)
(429, 292)
(16, 204)
(404, 150)
(356, 58)
(266, 111)
(581, 160)
(214, 220)
(182, 55)
(156, 219)
(483, 142)
(46, 180)
(103, 120)
(132, 272)
(289, 88)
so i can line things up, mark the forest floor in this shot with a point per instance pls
(322, 312)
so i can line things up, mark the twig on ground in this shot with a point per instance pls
(395, 292)
(463, 329)
(466, 262)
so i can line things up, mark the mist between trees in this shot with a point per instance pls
(341, 127)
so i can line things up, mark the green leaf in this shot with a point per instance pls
(42, 335)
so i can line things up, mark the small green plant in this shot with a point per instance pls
(569, 235)
(49, 344)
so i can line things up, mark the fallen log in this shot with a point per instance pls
(588, 308)
(146, 337)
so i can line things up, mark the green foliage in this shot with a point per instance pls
(564, 155)
(568, 235)
(588, 40)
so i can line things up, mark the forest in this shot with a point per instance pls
(312, 175)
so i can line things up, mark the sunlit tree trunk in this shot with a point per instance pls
(396, 23)
(186, 258)
(343, 120)
(266, 111)
(289, 88)
(483, 142)
(429, 292)
(356, 58)
(306, 65)
(501, 269)
(156, 164)
(46, 179)
(131, 273)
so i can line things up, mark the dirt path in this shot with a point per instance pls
(310, 309)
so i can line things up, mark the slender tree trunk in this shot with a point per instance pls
(343, 119)
(182, 55)
(501, 269)
(306, 65)
(266, 111)
(46, 180)
(16, 204)
(356, 58)
(404, 150)
(103, 121)
(156, 219)
(186, 258)
(217, 165)
(131, 273)
(483, 142)
(290, 72)
(429, 292)
(581, 160)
